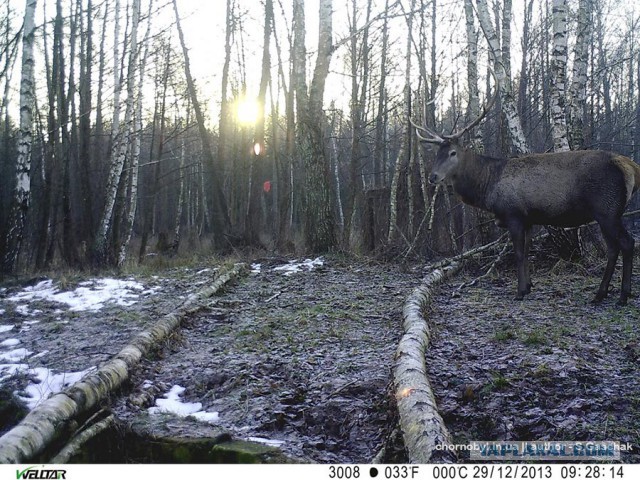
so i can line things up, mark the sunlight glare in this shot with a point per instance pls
(247, 111)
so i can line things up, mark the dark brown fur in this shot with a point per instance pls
(565, 189)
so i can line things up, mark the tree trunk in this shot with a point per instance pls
(254, 225)
(504, 83)
(224, 101)
(22, 191)
(177, 230)
(578, 89)
(403, 161)
(559, 76)
(319, 217)
(220, 215)
(380, 150)
(101, 243)
(136, 95)
(473, 109)
(506, 36)
(86, 153)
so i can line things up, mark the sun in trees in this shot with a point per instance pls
(247, 111)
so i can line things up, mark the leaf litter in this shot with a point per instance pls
(551, 368)
(298, 354)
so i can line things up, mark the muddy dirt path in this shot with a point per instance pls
(297, 359)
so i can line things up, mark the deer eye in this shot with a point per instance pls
(452, 153)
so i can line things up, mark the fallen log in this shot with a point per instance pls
(49, 420)
(426, 437)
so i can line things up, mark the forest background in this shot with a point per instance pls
(131, 128)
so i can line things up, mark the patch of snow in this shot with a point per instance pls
(172, 403)
(47, 383)
(10, 342)
(23, 310)
(90, 295)
(267, 441)
(6, 328)
(204, 270)
(256, 267)
(296, 266)
(2, 311)
(7, 370)
(15, 355)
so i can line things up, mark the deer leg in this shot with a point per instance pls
(626, 245)
(518, 238)
(613, 250)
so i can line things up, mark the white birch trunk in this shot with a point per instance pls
(559, 76)
(100, 246)
(336, 175)
(177, 230)
(578, 91)
(509, 109)
(506, 36)
(22, 192)
(472, 71)
(135, 94)
(393, 202)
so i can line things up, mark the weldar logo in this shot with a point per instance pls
(40, 473)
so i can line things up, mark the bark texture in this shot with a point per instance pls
(559, 76)
(22, 192)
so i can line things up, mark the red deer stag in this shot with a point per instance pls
(564, 189)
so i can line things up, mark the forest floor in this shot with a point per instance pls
(553, 367)
(298, 354)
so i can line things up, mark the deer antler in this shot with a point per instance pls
(433, 136)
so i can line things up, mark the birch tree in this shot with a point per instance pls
(558, 72)
(117, 159)
(359, 54)
(380, 150)
(22, 190)
(402, 160)
(578, 90)
(135, 93)
(473, 109)
(509, 109)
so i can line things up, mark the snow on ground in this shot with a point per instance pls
(90, 295)
(172, 403)
(10, 342)
(267, 441)
(296, 266)
(15, 355)
(46, 383)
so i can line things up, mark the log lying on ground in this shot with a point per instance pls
(49, 420)
(426, 437)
